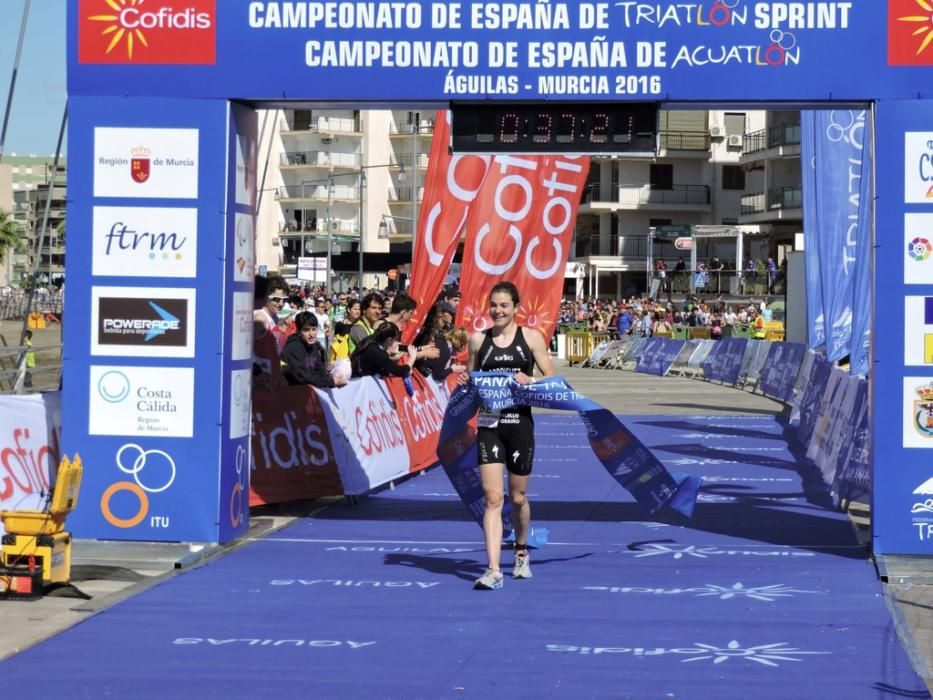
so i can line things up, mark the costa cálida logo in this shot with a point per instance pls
(153, 32)
(910, 33)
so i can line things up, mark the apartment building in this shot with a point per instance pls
(349, 179)
(355, 178)
(31, 179)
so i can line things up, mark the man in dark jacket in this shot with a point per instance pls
(304, 356)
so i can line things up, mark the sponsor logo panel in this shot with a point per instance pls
(157, 32)
(148, 163)
(240, 391)
(140, 322)
(242, 326)
(918, 412)
(153, 472)
(922, 511)
(918, 331)
(246, 169)
(918, 167)
(144, 242)
(910, 33)
(918, 246)
(244, 248)
(141, 401)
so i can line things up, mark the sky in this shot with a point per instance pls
(39, 97)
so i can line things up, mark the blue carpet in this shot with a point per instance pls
(764, 594)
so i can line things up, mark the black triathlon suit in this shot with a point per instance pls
(508, 436)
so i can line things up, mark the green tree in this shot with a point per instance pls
(9, 235)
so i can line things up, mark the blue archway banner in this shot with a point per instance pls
(623, 455)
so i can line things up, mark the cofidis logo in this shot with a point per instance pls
(910, 33)
(147, 32)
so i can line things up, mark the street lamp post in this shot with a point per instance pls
(360, 174)
(414, 179)
(362, 182)
(330, 239)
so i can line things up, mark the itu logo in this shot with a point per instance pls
(919, 249)
(910, 33)
(150, 32)
(133, 460)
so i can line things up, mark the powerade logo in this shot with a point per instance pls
(159, 322)
(154, 32)
(910, 33)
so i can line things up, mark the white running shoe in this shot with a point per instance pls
(491, 580)
(522, 566)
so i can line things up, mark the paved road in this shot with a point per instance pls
(621, 392)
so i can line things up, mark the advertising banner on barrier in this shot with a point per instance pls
(294, 456)
(658, 356)
(451, 184)
(781, 369)
(366, 415)
(30, 438)
(730, 359)
(712, 362)
(853, 468)
(421, 415)
(829, 416)
(811, 398)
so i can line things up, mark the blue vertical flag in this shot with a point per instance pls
(863, 304)
(840, 154)
(816, 333)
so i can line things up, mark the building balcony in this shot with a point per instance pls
(777, 204)
(402, 195)
(320, 159)
(305, 121)
(339, 228)
(406, 159)
(782, 141)
(615, 197)
(317, 193)
(426, 127)
(690, 142)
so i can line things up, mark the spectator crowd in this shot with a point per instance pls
(324, 338)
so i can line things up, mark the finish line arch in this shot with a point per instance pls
(162, 125)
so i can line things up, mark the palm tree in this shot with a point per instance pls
(9, 235)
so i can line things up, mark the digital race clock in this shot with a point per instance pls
(554, 127)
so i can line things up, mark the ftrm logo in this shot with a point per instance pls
(145, 242)
(153, 32)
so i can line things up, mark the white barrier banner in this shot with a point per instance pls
(366, 416)
(30, 439)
